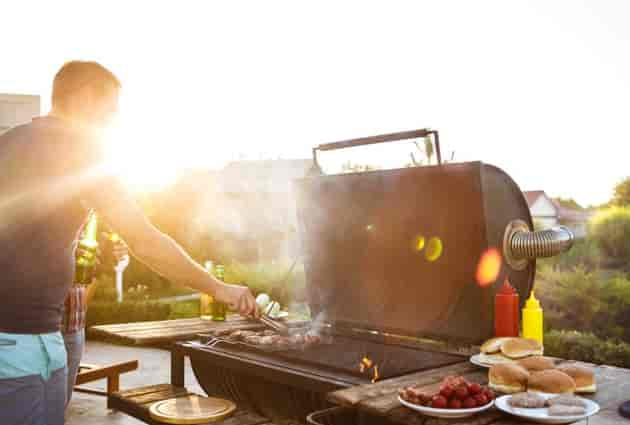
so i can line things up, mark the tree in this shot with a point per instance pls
(621, 193)
(569, 203)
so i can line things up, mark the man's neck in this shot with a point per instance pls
(72, 121)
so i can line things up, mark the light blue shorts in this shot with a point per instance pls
(33, 379)
(31, 400)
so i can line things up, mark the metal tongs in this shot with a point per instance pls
(266, 320)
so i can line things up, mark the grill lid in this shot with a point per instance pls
(372, 253)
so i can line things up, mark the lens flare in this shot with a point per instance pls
(434, 249)
(418, 243)
(489, 267)
(370, 228)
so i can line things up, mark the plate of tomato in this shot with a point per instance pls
(456, 398)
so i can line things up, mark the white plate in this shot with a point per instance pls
(476, 361)
(542, 415)
(445, 413)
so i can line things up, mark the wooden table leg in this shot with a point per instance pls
(113, 383)
(177, 367)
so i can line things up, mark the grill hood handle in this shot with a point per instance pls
(520, 245)
(383, 138)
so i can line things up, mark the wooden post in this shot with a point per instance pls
(177, 366)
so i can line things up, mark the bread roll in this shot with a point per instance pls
(536, 363)
(493, 345)
(551, 381)
(508, 378)
(517, 348)
(584, 378)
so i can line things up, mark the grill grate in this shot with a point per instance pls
(345, 354)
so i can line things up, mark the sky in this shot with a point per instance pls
(539, 88)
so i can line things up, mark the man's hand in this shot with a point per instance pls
(238, 298)
(120, 249)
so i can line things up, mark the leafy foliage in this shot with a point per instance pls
(587, 347)
(350, 167)
(569, 203)
(108, 312)
(621, 193)
(572, 299)
(277, 279)
(585, 253)
(610, 228)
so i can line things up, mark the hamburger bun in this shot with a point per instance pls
(492, 359)
(517, 348)
(536, 363)
(551, 381)
(508, 378)
(584, 377)
(493, 345)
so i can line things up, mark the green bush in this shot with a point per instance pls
(610, 228)
(184, 310)
(584, 252)
(108, 312)
(272, 278)
(571, 299)
(587, 347)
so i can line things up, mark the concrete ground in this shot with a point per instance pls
(154, 368)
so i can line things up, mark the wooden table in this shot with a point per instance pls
(165, 331)
(381, 398)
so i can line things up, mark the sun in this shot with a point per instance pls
(141, 160)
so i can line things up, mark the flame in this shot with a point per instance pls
(366, 364)
(489, 267)
(375, 374)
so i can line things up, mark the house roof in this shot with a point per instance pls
(562, 212)
(532, 196)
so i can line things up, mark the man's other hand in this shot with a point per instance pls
(120, 249)
(237, 298)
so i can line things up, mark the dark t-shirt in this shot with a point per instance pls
(47, 170)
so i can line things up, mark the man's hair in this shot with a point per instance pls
(74, 75)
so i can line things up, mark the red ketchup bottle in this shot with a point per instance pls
(506, 311)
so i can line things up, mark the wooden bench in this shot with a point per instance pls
(89, 373)
(136, 403)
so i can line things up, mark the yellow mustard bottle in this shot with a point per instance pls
(533, 319)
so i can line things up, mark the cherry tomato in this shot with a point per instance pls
(455, 404)
(439, 402)
(474, 388)
(461, 393)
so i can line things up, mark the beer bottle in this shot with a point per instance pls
(218, 309)
(205, 301)
(85, 261)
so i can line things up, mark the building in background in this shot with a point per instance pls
(16, 109)
(547, 212)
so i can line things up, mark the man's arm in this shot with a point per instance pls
(162, 254)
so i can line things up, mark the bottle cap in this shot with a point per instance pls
(532, 302)
(506, 288)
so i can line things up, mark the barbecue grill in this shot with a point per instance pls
(391, 259)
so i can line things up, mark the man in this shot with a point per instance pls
(52, 168)
(75, 311)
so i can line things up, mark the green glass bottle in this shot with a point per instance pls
(218, 310)
(85, 262)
